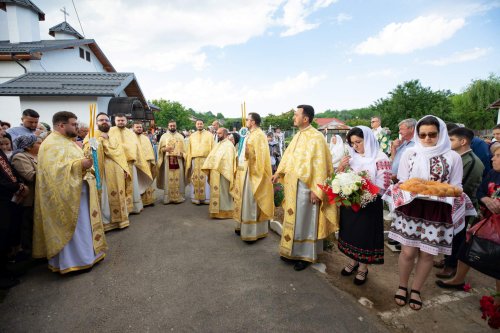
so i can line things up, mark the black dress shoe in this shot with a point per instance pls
(301, 265)
(288, 260)
(442, 284)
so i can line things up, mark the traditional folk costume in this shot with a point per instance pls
(68, 228)
(429, 222)
(305, 164)
(361, 235)
(253, 192)
(147, 167)
(171, 168)
(129, 143)
(200, 145)
(114, 173)
(338, 150)
(220, 166)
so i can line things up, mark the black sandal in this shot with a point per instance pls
(362, 274)
(401, 297)
(351, 268)
(414, 301)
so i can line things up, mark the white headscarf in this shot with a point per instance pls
(421, 166)
(365, 162)
(337, 150)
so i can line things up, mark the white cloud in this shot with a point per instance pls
(295, 13)
(161, 35)
(342, 17)
(458, 57)
(402, 38)
(226, 96)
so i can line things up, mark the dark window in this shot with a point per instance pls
(82, 53)
(87, 56)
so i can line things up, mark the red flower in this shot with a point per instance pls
(490, 311)
(355, 207)
(467, 287)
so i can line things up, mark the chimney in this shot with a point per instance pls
(22, 21)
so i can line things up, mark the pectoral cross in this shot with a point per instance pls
(65, 13)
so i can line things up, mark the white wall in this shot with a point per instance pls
(67, 61)
(10, 70)
(47, 106)
(4, 27)
(22, 24)
(10, 109)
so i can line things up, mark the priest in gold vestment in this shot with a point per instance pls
(201, 143)
(220, 166)
(114, 173)
(146, 165)
(171, 165)
(308, 217)
(67, 226)
(129, 143)
(253, 190)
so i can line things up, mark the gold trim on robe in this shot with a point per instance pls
(169, 180)
(148, 163)
(221, 162)
(258, 163)
(200, 145)
(129, 143)
(57, 197)
(112, 167)
(307, 159)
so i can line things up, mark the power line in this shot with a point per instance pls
(78, 17)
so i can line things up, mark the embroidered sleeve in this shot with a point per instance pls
(384, 174)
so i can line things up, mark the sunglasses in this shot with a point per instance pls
(431, 135)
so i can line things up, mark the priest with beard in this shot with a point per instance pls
(145, 164)
(114, 173)
(200, 144)
(171, 165)
(220, 166)
(253, 193)
(129, 143)
(67, 229)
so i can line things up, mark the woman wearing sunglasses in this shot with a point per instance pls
(425, 226)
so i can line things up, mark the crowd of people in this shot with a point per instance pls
(63, 187)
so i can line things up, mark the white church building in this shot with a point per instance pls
(64, 73)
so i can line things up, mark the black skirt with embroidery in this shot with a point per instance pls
(361, 234)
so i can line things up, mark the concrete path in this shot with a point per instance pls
(175, 270)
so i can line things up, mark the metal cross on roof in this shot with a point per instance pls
(65, 13)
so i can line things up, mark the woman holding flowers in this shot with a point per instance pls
(425, 224)
(361, 235)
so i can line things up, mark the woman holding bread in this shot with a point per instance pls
(429, 207)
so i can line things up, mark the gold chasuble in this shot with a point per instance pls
(220, 166)
(59, 185)
(253, 187)
(113, 169)
(146, 165)
(129, 143)
(308, 160)
(171, 168)
(200, 145)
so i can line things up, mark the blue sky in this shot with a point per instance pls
(274, 54)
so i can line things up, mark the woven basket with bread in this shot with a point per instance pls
(430, 187)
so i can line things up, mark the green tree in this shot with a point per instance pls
(470, 107)
(412, 100)
(283, 121)
(172, 110)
